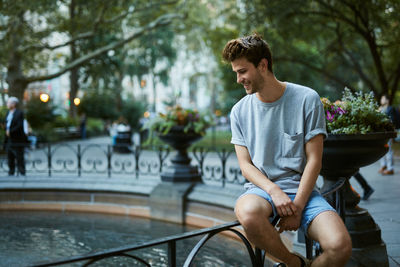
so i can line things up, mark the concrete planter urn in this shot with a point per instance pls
(343, 155)
(180, 169)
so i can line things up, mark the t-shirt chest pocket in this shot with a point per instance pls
(292, 145)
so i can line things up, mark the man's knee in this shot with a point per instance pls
(338, 247)
(329, 230)
(251, 209)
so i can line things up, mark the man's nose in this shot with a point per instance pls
(238, 78)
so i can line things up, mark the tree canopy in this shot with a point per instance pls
(327, 45)
(36, 32)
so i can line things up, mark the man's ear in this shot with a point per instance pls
(263, 65)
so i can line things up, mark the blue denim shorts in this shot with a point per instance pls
(316, 204)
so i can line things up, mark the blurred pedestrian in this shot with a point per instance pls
(82, 126)
(386, 161)
(15, 139)
(368, 190)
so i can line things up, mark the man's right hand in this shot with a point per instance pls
(283, 204)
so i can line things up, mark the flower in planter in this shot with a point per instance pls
(188, 119)
(355, 114)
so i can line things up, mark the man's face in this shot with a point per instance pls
(384, 100)
(10, 104)
(248, 75)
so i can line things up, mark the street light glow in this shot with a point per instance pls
(44, 97)
(77, 101)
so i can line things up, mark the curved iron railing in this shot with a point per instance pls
(256, 257)
(215, 166)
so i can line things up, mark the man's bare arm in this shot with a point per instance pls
(283, 203)
(314, 149)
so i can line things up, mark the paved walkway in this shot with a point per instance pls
(384, 206)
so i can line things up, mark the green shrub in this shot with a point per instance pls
(132, 111)
(61, 121)
(94, 127)
(98, 105)
(39, 114)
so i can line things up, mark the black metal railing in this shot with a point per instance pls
(217, 166)
(256, 256)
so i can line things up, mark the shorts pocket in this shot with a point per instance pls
(293, 145)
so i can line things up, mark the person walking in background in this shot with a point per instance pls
(15, 139)
(368, 190)
(82, 126)
(386, 161)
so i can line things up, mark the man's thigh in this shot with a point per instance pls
(328, 228)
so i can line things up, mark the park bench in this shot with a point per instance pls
(70, 132)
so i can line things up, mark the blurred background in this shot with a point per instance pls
(123, 61)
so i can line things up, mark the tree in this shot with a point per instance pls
(29, 27)
(352, 44)
(327, 45)
(155, 56)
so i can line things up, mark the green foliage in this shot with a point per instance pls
(190, 119)
(341, 43)
(104, 106)
(99, 105)
(326, 45)
(3, 112)
(61, 121)
(132, 111)
(354, 114)
(38, 113)
(94, 127)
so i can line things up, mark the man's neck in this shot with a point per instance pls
(272, 90)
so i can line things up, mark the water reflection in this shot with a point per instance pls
(28, 237)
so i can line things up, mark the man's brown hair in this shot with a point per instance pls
(251, 47)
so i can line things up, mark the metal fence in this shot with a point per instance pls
(135, 161)
(257, 257)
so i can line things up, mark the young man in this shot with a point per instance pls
(278, 131)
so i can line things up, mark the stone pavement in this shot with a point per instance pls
(384, 206)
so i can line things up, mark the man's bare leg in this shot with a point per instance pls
(331, 233)
(253, 213)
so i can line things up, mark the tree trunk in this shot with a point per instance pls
(154, 91)
(15, 79)
(118, 90)
(74, 74)
(73, 91)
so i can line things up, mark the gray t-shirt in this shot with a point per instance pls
(275, 133)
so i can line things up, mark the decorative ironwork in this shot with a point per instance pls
(215, 166)
(256, 256)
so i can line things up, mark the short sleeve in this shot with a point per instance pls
(315, 121)
(237, 134)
